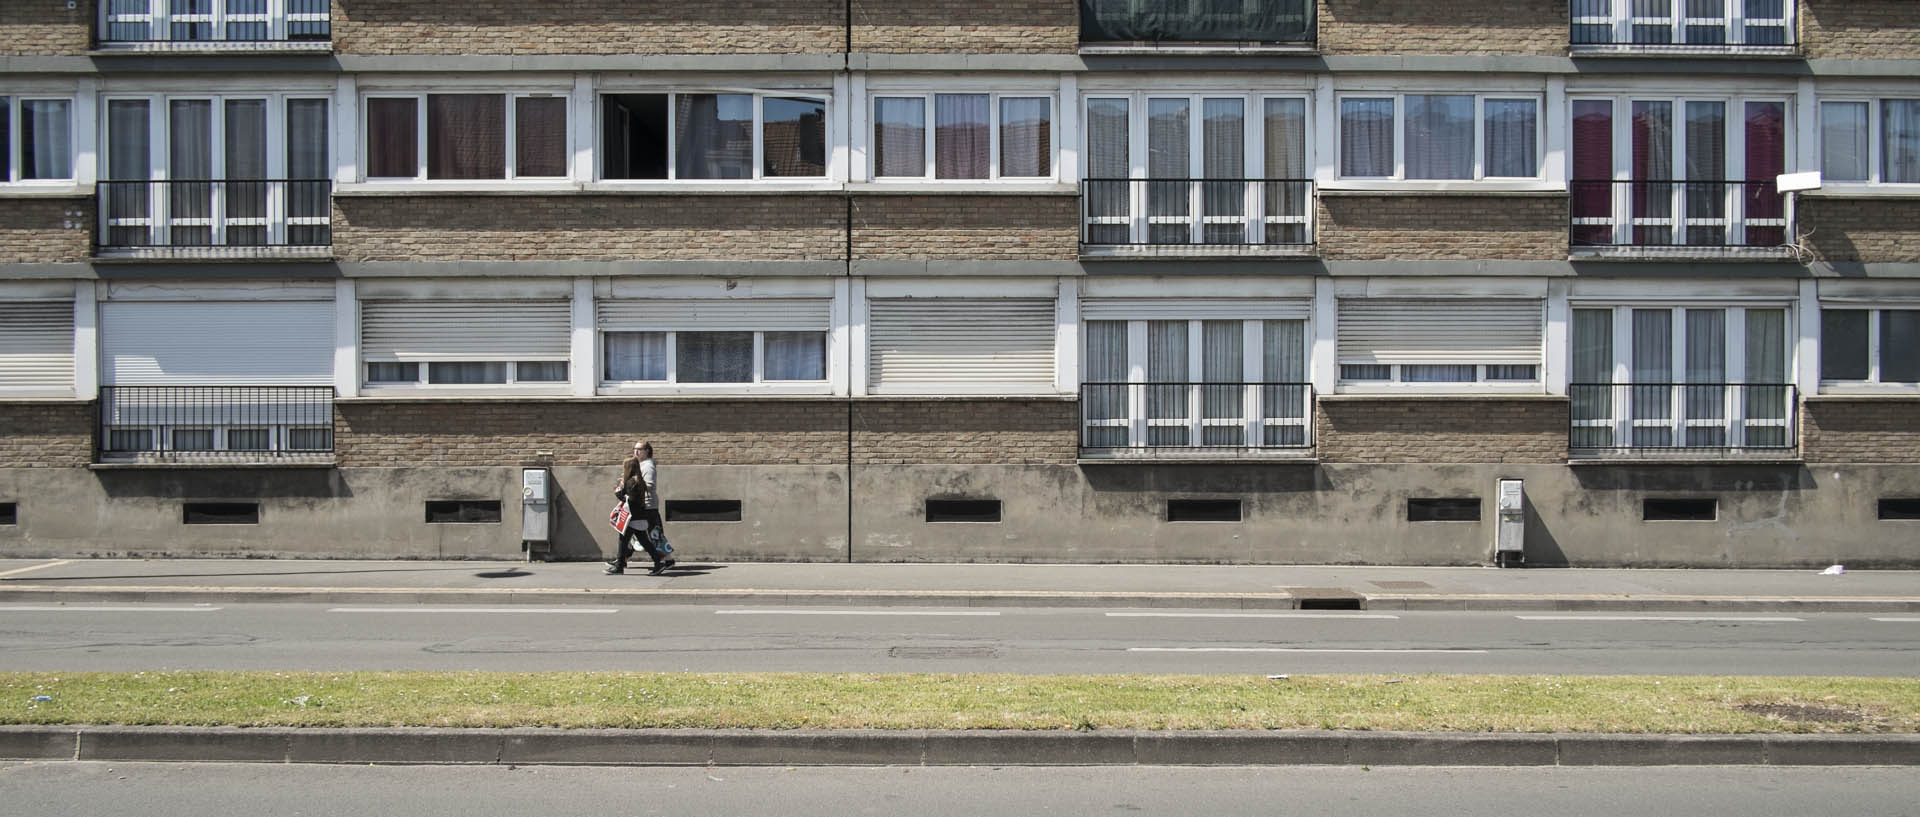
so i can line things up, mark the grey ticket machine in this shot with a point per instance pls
(1510, 525)
(536, 513)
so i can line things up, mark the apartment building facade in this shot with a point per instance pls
(1280, 281)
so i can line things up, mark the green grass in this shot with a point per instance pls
(1453, 703)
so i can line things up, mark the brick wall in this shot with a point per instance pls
(588, 27)
(43, 28)
(1449, 430)
(46, 434)
(1862, 431)
(37, 230)
(1861, 229)
(589, 228)
(1524, 27)
(966, 26)
(962, 227)
(1486, 226)
(965, 432)
(1860, 29)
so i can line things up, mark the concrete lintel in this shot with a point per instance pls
(165, 63)
(73, 64)
(945, 268)
(1687, 270)
(571, 62)
(1859, 269)
(1446, 269)
(579, 269)
(41, 272)
(174, 270)
(1048, 63)
(1141, 265)
(1865, 68)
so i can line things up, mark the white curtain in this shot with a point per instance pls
(246, 133)
(1284, 360)
(1109, 163)
(635, 356)
(713, 136)
(1366, 137)
(540, 136)
(1223, 361)
(1169, 148)
(1512, 129)
(1652, 369)
(1167, 363)
(540, 371)
(190, 139)
(1592, 376)
(1106, 364)
(713, 357)
(899, 137)
(1900, 141)
(46, 138)
(795, 355)
(1439, 137)
(1026, 137)
(307, 139)
(466, 373)
(962, 137)
(1285, 131)
(1900, 345)
(1843, 141)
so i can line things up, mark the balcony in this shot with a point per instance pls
(1196, 217)
(1207, 24)
(1678, 219)
(1196, 421)
(215, 425)
(212, 219)
(216, 26)
(1687, 421)
(1682, 28)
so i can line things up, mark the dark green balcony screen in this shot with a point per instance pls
(1196, 20)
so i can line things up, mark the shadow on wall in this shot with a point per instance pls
(290, 486)
(1264, 478)
(1732, 477)
(1542, 550)
(578, 530)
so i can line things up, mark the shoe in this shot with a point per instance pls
(668, 564)
(615, 571)
(657, 569)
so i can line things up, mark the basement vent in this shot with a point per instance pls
(703, 510)
(1443, 510)
(1891, 508)
(1680, 510)
(220, 513)
(1203, 510)
(963, 510)
(9, 513)
(449, 511)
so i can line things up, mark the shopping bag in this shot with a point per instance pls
(660, 542)
(620, 517)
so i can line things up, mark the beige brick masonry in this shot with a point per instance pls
(1881, 229)
(46, 434)
(45, 28)
(42, 230)
(1442, 430)
(966, 26)
(588, 27)
(1860, 29)
(1505, 27)
(960, 431)
(960, 227)
(1867, 430)
(1470, 227)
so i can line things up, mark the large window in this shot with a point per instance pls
(1694, 172)
(466, 136)
(1681, 377)
(36, 139)
(713, 357)
(1440, 137)
(214, 20)
(713, 136)
(1875, 142)
(973, 136)
(1195, 383)
(1682, 22)
(1870, 345)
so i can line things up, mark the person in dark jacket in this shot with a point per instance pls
(640, 488)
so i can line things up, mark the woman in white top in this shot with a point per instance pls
(640, 489)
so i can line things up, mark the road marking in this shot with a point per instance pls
(543, 610)
(1298, 649)
(18, 570)
(1254, 615)
(1898, 619)
(850, 613)
(1658, 618)
(72, 609)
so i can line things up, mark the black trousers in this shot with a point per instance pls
(644, 519)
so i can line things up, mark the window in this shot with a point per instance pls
(1683, 22)
(974, 136)
(466, 136)
(1688, 172)
(1439, 137)
(1438, 344)
(1870, 345)
(1875, 142)
(214, 20)
(714, 357)
(1681, 377)
(419, 342)
(1196, 383)
(713, 136)
(36, 139)
(466, 373)
(1231, 21)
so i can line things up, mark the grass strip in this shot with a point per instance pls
(1449, 703)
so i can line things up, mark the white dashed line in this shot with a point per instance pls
(1299, 649)
(1377, 616)
(1658, 618)
(72, 609)
(542, 610)
(850, 613)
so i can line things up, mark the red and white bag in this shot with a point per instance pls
(620, 517)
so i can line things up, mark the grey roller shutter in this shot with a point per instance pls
(1411, 330)
(465, 330)
(714, 315)
(925, 344)
(1175, 309)
(230, 343)
(36, 346)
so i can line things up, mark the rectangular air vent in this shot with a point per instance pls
(9, 513)
(1905, 508)
(703, 510)
(963, 510)
(220, 513)
(447, 511)
(1443, 510)
(1203, 510)
(1680, 510)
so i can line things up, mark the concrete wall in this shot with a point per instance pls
(588, 27)
(1450, 226)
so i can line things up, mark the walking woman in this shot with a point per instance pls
(640, 489)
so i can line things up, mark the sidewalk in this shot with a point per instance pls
(958, 585)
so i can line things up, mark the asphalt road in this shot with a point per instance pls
(125, 637)
(196, 790)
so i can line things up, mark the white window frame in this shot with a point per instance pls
(1733, 409)
(759, 176)
(159, 20)
(421, 144)
(926, 96)
(1398, 132)
(672, 384)
(420, 380)
(1876, 142)
(1873, 383)
(1253, 368)
(16, 146)
(1734, 21)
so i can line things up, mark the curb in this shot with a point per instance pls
(10, 592)
(861, 747)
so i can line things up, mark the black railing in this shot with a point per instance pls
(1674, 213)
(222, 423)
(204, 21)
(1669, 27)
(1196, 211)
(1267, 21)
(216, 213)
(1158, 417)
(1727, 417)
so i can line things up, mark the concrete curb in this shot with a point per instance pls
(863, 747)
(58, 594)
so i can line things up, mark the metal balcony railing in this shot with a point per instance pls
(1266, 212)
(215, 21)
(1198, 21)
(1681, 26)
(216, 213)
(1683, 417)
(214, 423)
(1677, 213)
(1120, 418)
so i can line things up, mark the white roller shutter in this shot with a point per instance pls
(924, 344)
(36, 346)
(1408, 330)
(465, 330)
(714, 315)
(229, 343)
(1175, 309)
